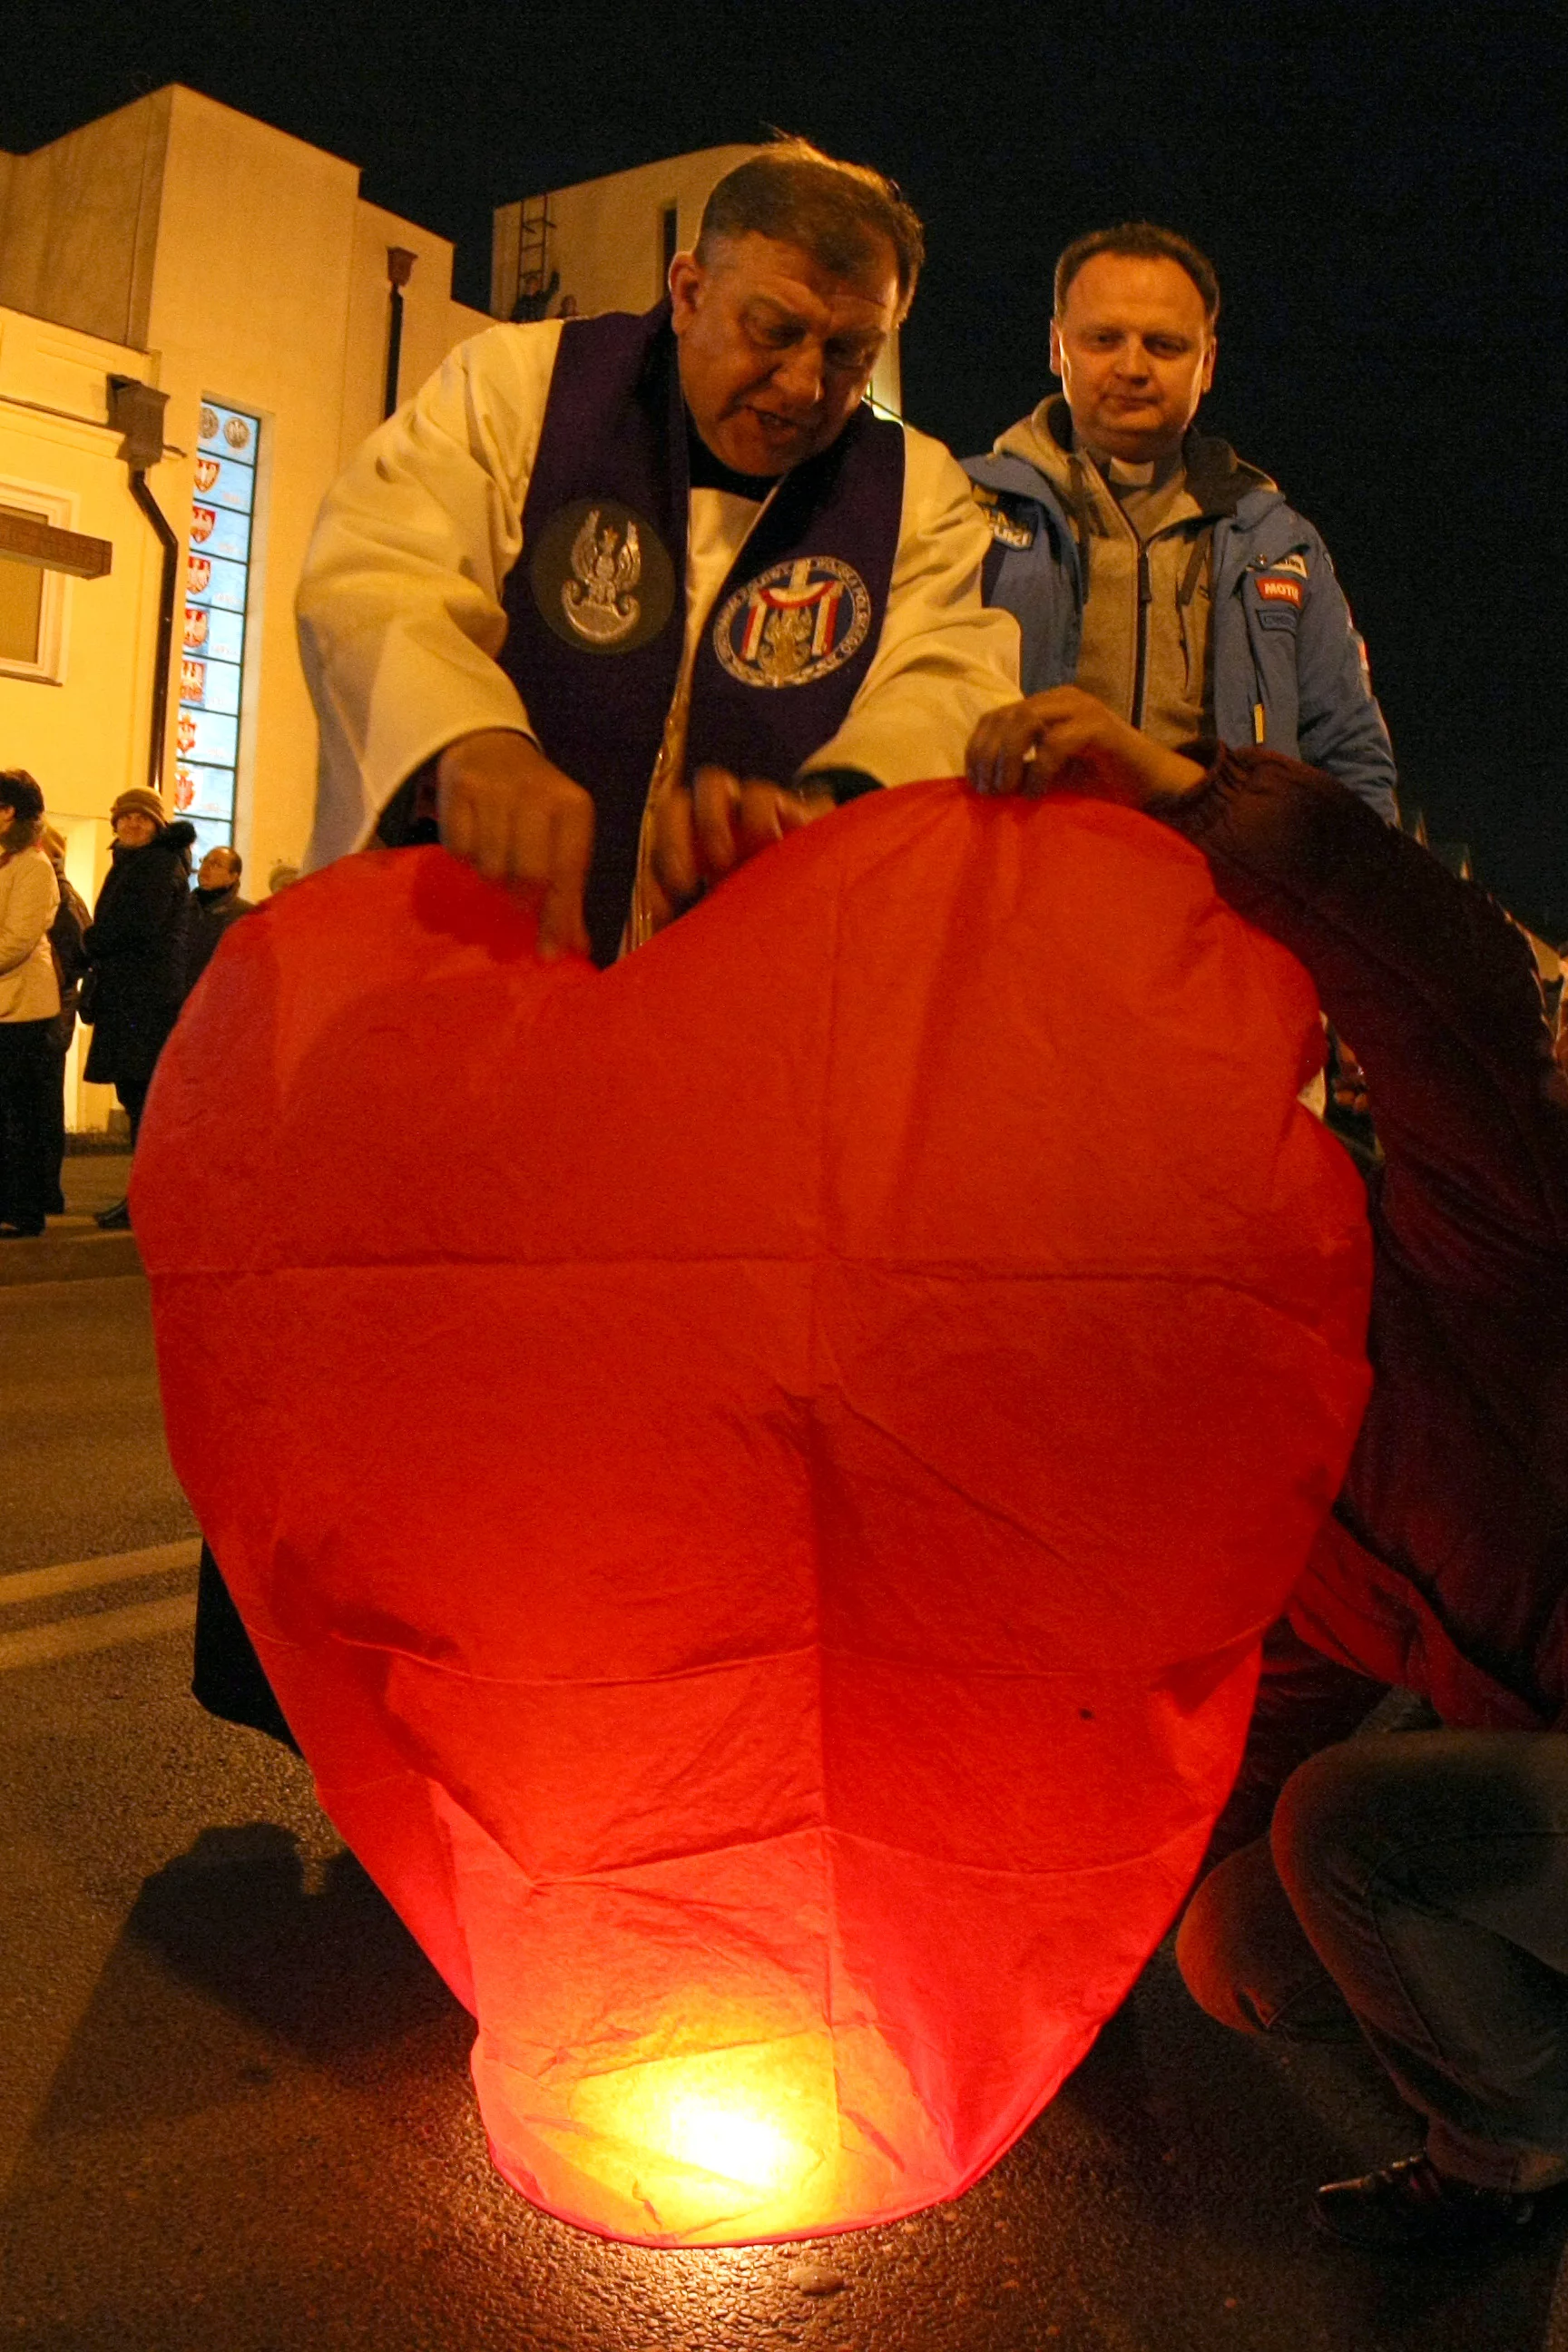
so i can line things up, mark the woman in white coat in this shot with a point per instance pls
(29, 1000)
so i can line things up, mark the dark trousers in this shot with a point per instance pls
(1415, 1886)
(25, 1190)
(133, 1099)
(1304, 1702)
(56, 1148)
(226, 1676)
(62, 1028)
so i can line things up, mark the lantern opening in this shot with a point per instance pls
(701, 2135)
(743, 2146)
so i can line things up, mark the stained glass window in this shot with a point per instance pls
(212, 660)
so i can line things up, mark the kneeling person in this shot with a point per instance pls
(1415, 1884)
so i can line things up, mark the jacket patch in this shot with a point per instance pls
(1281, 592)
(1005, 528)
(793, 623)
(1294, 562)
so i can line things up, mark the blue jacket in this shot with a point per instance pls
(1281, 636)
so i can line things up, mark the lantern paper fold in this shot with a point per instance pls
(757, 1475)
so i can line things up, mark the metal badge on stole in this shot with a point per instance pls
(793, 623)
(601, 577)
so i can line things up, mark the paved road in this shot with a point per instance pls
(233, 2113)
(86, 1467)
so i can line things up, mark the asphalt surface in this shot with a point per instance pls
(86, 1470)
(235, 2114)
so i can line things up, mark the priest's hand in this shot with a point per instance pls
(703, 832)
(1068, 739)
(503, 808)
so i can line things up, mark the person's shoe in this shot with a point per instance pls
(115, 1220)
(11, 1232)
(1412, 2208)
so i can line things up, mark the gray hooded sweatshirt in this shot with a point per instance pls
(1145, 534)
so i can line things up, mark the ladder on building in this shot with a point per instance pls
(536, 284)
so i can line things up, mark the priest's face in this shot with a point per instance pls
(775, 351)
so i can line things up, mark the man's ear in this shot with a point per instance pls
(1055, 349)
(1208, 363)
(687, 279)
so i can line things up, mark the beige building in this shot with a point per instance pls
(198, 316)
(237, 272)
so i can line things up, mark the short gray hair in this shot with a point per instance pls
(835, 212)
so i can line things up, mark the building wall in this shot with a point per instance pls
(85, 737)
(253, 274)
(79, 232)
(432, 321)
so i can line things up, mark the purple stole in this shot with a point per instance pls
(596, 602)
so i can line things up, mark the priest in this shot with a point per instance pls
(614, 602)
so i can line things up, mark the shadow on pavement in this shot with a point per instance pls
(225, 1956)
(262, 2138)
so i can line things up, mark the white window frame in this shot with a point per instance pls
(60, 508)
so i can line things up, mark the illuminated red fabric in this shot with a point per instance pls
(756, 1475)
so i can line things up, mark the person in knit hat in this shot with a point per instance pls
(138, 799)
(136, 950)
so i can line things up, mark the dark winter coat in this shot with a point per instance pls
(68, 934)
(1444, 1566)
(212, 912)
(136, 949)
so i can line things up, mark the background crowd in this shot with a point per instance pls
(126, 968)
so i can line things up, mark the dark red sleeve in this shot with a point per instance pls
(1436, 989)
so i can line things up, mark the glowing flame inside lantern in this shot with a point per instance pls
(728, 2140)
(698, 2141)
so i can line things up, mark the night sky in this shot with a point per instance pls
(1380, 188)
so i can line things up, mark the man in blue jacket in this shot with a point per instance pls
(1145, 561)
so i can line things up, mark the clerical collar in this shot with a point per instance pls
(1122, 474)
(707, 472)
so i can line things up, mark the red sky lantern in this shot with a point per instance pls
(757, 1475)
